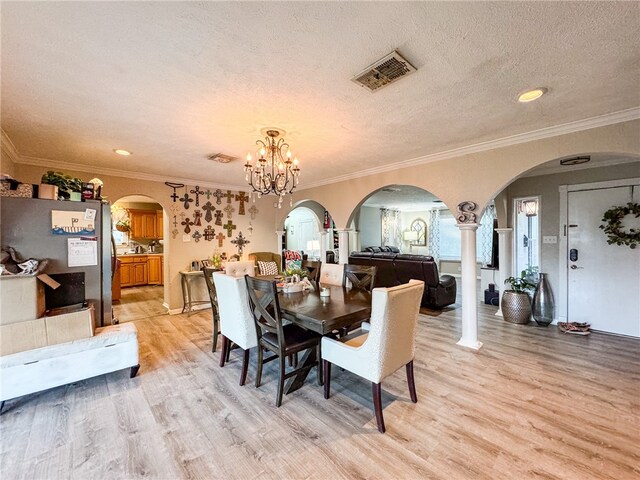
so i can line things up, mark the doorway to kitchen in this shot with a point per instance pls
(138, 280)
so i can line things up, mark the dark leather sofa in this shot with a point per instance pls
(397, 268)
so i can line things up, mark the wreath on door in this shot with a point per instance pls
(613, 225)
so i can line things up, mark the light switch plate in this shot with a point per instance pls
(550, 239)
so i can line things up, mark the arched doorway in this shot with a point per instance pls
(138, 282)
(308, 227)
(568, 197)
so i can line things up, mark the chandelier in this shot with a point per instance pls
(274, 171)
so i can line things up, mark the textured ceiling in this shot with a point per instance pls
(403, 197)
(175, 82)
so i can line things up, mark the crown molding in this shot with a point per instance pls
(547, 132)
(115, 172)
(8, 148)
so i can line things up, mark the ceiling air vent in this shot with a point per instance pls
(383, 72)
(221, 158)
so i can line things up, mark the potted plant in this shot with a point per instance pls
(516, 303)
(123, 226)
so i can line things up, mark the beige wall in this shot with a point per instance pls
(6, 164)
(476, 177)
(547, 187)
(178, 254)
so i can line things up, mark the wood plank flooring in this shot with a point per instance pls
(137, 303)
(533, 403)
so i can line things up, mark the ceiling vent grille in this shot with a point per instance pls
(384, 72)
(221, 158)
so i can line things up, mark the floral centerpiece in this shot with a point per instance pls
(216, 261)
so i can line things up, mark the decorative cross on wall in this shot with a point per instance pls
(197, 236)
(218, 216)
(229, 196)
(186, 200)
(187, 225)
(197, 192)
(209, 233)
(174, 233)
(229, 209)
(175, 221)
(175, 209)
(240, 242)
(208, 193)
(197, 215)
(253, 210)
(218, 194)
(229, 227)
(241, 197)
(175, 186)
(220, 238)
(208, 207)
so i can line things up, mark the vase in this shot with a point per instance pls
(543, 304)
(516, 307)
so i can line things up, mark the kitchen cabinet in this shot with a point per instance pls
(145, 224)
(136, 270)
(154, 270)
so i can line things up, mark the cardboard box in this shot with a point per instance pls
(48, 191)
(69, 326)
(18, 337)
(21, 298)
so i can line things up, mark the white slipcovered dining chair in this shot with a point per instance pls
(386, 347)
(236, 320)
(240, 269)
(331, 274)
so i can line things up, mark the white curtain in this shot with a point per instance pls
(485, 235)
(391, 227)
(434, 234)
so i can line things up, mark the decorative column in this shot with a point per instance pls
(280, 234)
(468, 226)
(355, 240)
(323, 246)
(505, 259)
(343, 246)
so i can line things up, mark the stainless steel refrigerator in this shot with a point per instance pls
(25, 224)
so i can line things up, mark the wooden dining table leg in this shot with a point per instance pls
(295, 382)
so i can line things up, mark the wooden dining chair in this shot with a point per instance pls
(281, 340)
(236, 320)
(313, 267)
(386, 347)
(208, 278)
(361, 277)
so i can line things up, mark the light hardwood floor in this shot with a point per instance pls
(533, 403)
(137, 303)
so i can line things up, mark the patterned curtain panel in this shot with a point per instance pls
(434, 234)
(485, 235)
(391, 228)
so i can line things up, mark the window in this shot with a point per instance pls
(420, 227)
(527, 235)
(448, 236)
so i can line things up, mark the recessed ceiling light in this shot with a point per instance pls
(531, 95)
(120, 151)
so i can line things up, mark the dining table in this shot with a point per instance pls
(324, 315)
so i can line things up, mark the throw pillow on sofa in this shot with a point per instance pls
(267, 268)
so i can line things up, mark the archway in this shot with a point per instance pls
(308, 227)
(139, 231)
(549, 186)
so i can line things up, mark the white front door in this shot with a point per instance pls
(604, 280)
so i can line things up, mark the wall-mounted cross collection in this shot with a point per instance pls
(209, 214)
